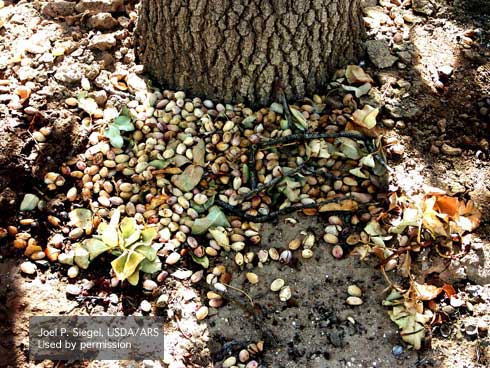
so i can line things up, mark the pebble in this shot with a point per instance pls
(354, 290)
(202, 313)
(243, 355)
(28, 268)
(277, 284)
(149, 285)
(73, 289)
(397, 351)
(294, 244)
(172, 258)
(330, 239)
(307, 253)
(450, 151)
(337, 251)
(252, 277)
(229, 362)
(354, 300)
(145, 306)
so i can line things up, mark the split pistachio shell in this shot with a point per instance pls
(285, 293)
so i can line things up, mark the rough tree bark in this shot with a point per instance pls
(233, 50)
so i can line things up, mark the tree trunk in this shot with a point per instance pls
(233, 50)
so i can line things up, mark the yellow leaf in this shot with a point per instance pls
(366, 117)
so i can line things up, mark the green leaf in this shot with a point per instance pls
(248, 122)
(148, 252)
(411, 217)
(203, 261)
(129, 231)
(110, 236)
(29, 202)
(81, 257)
(95, 247)
(151, 267)
(159, 164)
(298, 119)
(134, 278)
(148, 234)
(81, 217)
(221, 238)
(123, 122)
(349, 148)
(215, 218)
(200, 208)
(118, 265)
(126, 264)
(114, 135)
(189, 178)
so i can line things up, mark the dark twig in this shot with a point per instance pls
(275, 214)
(309, 136)
(251, 166)
(273, 182)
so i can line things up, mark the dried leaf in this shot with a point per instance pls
(88, 105)
(221, 238)
(203, 261)
(411, 217)
(426, 292)
(448, 205)
(298, 119)
(95, 247)
(214, 218)
(114, 135)
(366, 117)
(199, 152)
(80, 217)
(349, 148)
(345, 205)
(189, 178)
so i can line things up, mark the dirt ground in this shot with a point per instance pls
(424, 110)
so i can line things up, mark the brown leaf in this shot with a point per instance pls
(426, 292)
(448, 205)
(366, 117)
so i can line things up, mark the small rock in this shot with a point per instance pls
(379, 53)
(277, 284)
(202, 313)
(145, 306)
(445, 71)
(354, 300)
(149, 285)
(354, 290)
(451, 151)
(73, 289)
(425, 7)
(113, 299)
(39, 43)
(28, 268)
(102, 21)
(58, 8)
(99, 6)
(162, 301)
(229, 362)
(103, 42)
(434, 149)
(397, 351)
(71, 73)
